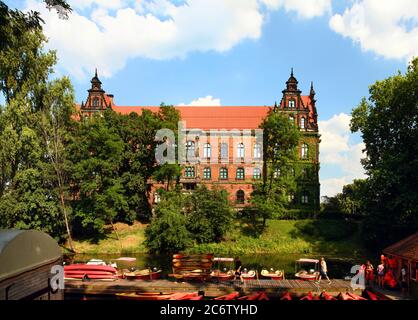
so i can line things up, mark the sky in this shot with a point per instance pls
(239, 52)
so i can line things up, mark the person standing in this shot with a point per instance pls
(369, 273)
(323, 269)
(238, 266)
(404, 280)
(381, 274)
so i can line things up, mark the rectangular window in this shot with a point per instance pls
(240, 174)
(223, 174)
(206, 173)
(189, 172)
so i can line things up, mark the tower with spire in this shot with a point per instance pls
(97, 99)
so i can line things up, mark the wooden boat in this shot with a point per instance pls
(250, 275)
(193, 256)
(286, 296)
(273, 275)
(222, 276)
(144, 296)
(145, 274)
(230, 296)
(355, 296)
(327, 296)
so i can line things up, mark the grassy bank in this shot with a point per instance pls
(334, 237)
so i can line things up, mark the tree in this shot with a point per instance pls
(280, 139)
(387, 122)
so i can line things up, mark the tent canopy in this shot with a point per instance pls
(24, 250)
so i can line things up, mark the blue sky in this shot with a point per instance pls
(239, 52)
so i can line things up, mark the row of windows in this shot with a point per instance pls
(257, 150)
(207, 150)
(240, 197)
(302, 121)
(240, 173)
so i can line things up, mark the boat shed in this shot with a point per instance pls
(27, 260)
(405, 252)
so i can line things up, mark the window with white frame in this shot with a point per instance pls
(291, 104)
(207, 173)
(257, 173)
(257, 151)
(157, 197)
(304, 151)
(207, 150)
(305, 198)
(190, 149)
(189, 172)
(240, 174)
(224, 151)
(302, 123)
(223, 173)
(240, 150)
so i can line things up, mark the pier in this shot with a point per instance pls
(274, 288)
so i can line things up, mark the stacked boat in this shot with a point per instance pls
(192, 266)
(90, 271)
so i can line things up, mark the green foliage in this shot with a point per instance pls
(388, 124)
(205, 214)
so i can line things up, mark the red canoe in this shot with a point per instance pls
(307, 297)
(355, 296)
(255, 296)
(327, 296)
(286, 296)
(230, 296)
(96, 272)
(344, 296)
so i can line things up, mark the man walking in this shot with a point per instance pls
(323, 271)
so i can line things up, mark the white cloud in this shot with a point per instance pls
(337, 149)
(107, 33)
(207, 101)
(388, 28)
(303, 8)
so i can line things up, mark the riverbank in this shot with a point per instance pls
(333, 237)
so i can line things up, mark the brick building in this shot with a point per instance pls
(232, 157)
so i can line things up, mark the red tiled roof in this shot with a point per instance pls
(214, 117)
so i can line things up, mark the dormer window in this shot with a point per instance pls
(291, 104)
(95, 102)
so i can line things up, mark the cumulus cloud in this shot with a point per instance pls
(303, 8)
(107, 33)
(207, 101)
(337, 149)
(388, 28)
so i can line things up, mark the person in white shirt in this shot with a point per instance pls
(323, 271)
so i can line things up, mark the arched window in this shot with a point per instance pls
(223, 173)
(257, 151)
(157, 197)
(207, 173)
(189, 172)
(240, 196)
(302, 123)
(305, 197)
(257, 173)
(207, 150)
(224, 151)
(240, 150)
(304, 151)
(240, 174)
(190, 149)
(291, 104)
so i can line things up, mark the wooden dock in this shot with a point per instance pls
(209, 289)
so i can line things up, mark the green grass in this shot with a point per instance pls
(333, 237)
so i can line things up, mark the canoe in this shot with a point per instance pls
(144, 296)
(89, 276)
(374, 295)
(89, 267)
(327, 296)
(344, 296)
(253, 296)
(192, 260)
(230, 296)
(202, 265)
(144, 274)
(193, 256)
(196, 298)
(286, 296)
(183, 295)
(355, 296)
(307, 297)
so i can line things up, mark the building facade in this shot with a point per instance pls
(222, 149)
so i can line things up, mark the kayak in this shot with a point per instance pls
(89, 267)
(255, 296)
(327, 296)
(344, 296)
(144, 296)
(308, 296)
(286, 296)
(355, 296)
